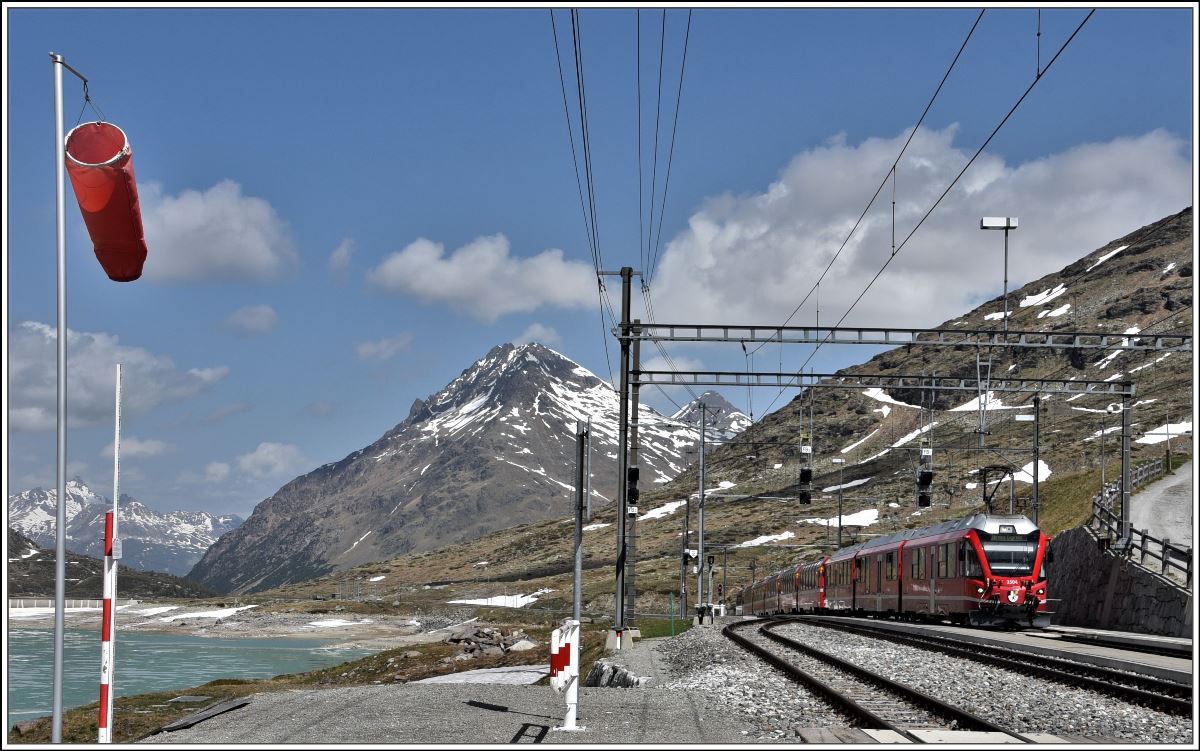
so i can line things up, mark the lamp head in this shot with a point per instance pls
(998, 222)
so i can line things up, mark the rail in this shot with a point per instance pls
(1170, 557)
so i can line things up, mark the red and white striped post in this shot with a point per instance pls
(108, 626)
(564, 669)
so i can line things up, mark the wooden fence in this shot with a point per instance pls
(1139, 546)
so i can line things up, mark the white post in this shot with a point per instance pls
(569, 722)
(108, 629)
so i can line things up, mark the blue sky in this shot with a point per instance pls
(430, 147)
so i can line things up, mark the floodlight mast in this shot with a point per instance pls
(1005, 223)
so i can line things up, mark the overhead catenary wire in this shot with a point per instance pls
(889, 174)
(647, 261)
(948, 188)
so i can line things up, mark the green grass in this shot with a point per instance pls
(654, 627)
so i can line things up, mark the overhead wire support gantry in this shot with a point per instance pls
(874, 380)
(887, 336)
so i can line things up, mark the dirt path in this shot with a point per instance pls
(1166, 508)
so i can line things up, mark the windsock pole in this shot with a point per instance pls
(108, 628)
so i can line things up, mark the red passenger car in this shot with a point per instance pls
(983, 569)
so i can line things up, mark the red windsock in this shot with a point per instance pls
(100, 165)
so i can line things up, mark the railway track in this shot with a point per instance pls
(870, 700)
(1168, 696)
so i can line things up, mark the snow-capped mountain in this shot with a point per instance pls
(724, 420)
(493, 449)
(151, 540)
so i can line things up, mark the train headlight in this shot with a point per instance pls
(1041, 592)
(980, 590)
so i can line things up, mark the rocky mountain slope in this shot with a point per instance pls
(492, 449)
(152, 541)
(1138, 284)
(31, 574)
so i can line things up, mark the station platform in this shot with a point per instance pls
(956, 737)
(1170, 645)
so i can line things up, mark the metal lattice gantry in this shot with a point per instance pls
(875, 380)
(669, 332)
(629, 332)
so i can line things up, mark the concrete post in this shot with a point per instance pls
(1126, 491)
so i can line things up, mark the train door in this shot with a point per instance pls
(821, 587)
(855, 568)
(879, 582)
(931, 560)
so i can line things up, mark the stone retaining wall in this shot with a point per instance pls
(1097, 589)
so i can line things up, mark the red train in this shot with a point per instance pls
(983, 570)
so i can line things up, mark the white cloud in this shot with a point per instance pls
(215, 235)
(536, 332)
(219, 414)
(134, 447)
(148, 379)
(271, 460)
(254, 319)
(216, 472)
(383, 349)
(483, 280)
(320, 409)
(752, 258)
(339, 260)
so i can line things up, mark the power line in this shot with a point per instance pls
(588, 225)
(638, 56)
(571, 135)
(671, 153)
(657, 117)
(577, 39)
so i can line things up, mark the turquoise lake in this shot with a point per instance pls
(147, 662)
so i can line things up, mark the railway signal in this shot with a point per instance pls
(924, 487)
(925, 478)
(804, 494)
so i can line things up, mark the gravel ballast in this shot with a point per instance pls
(1025, 704)
(718, 673)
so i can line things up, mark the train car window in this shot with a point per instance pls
(971, 565)
(891, 566)
(1007, 556)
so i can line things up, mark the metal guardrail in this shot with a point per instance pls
(44, 602)
(1170, 557)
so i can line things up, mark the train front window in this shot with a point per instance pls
(1010, 558)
